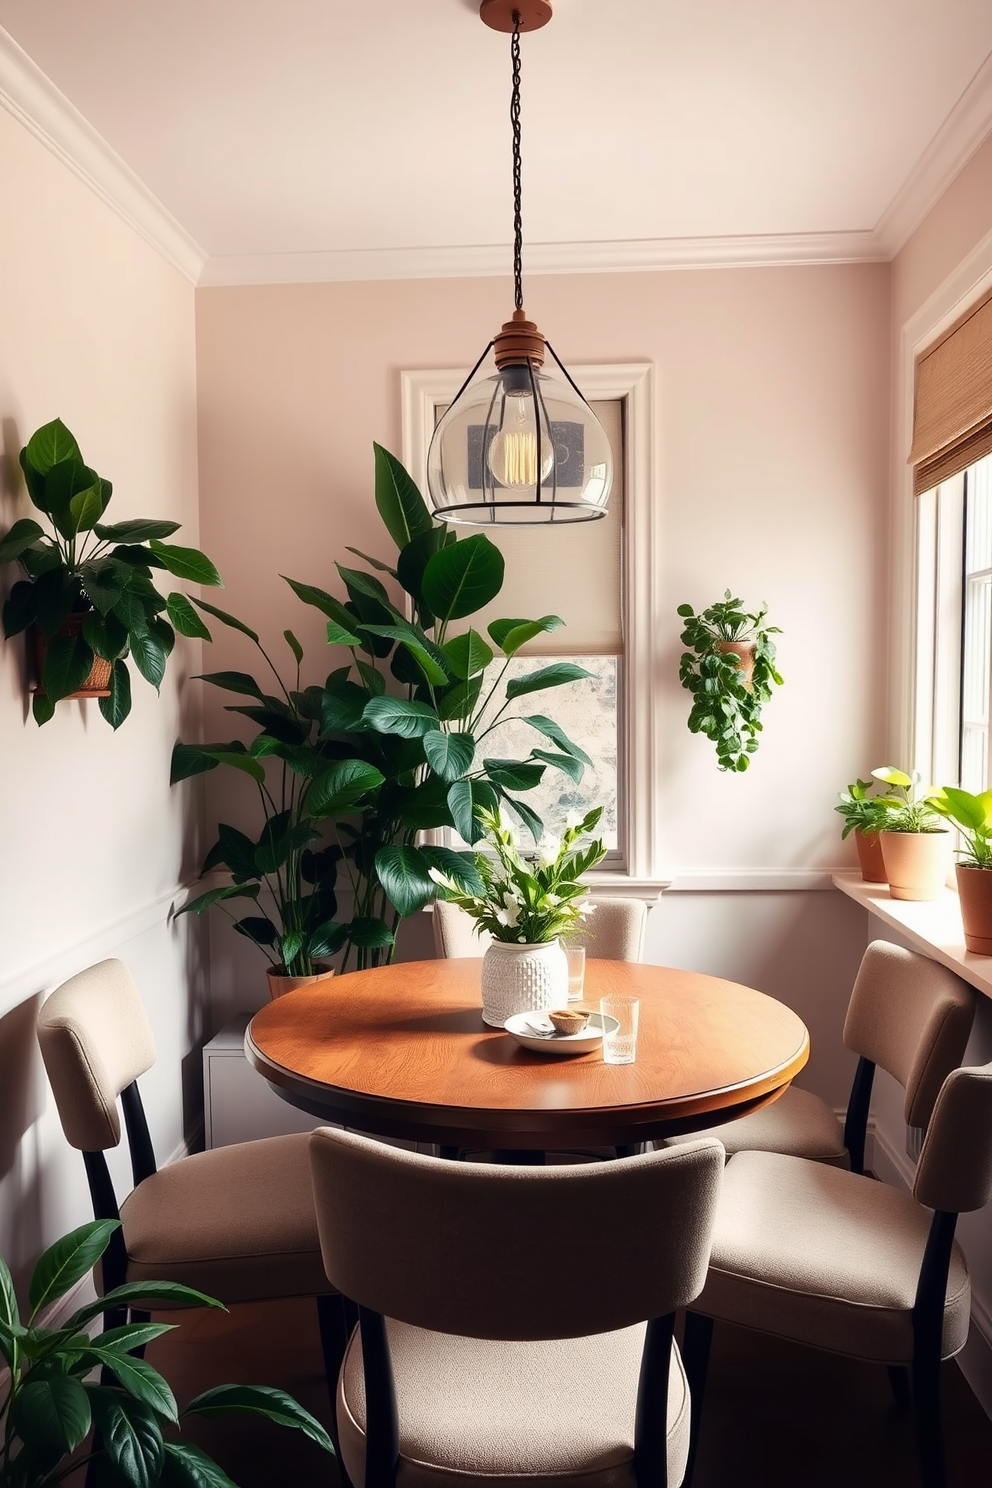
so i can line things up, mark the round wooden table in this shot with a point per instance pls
(402, 1051)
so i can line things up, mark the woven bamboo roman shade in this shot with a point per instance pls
(573, 571)
(952, 419)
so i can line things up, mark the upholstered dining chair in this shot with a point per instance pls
(504, 1334)
(613, 932)
(236, 1222)
(907, 1014)
(837, 1260)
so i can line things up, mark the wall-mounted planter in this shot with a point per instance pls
(96, 684)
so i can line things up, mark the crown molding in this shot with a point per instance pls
(964, 130)
(33, 99)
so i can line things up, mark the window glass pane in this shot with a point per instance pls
(587, 712)
(977, 656)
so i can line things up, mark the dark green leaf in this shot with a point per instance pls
(242, 762)
(86, 507)
(188, 1466)
(144, 1295)
(321, 600)
(374, 562)
(72, 488)
(402, 871)
(41, 558)
(423, 652)
(513, 774)
(461, 579)
(8, 1300)
(290, 947)
(20, 536)
(43, 708)
(461, 803)
(67, 665)
(131, 1435)
(510, 635)
(163, 633)
(21, 608)
(102, 584)
(557, 735)
(411, 564)
(418, 807)
(140, 1380)
(149, 656)
(274, 720)
(128, 1336)
(138, 531)
(105, 635)
(555, 675)
(260, 1400)
(327, 939)
(373, 679)
(275, 850)
(225, 618)
(399, 503)
(370, 933)
(358, 583)
(186, 563)
(342, 707)
(449, 755)
(455, 865)
(55, 594)
(68, 1261)
(530, 818)
(194, 759)
(212, 896)
(234, 849)
(567, 763)
(52, 1416)
(48, 446)
(337, 635)
(257, 928)
(294, 646)
(240, 682)
(135, 557)
(390, 715)
(468, 655)
(185, 618)
(341, 787)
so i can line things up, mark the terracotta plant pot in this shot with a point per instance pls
(96, 685)
(916, 863)
(870, 856)
(280, 982)
(975, 894)
(744, 651)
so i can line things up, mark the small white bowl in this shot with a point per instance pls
(524, 1028)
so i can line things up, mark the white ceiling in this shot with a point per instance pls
(290, 136)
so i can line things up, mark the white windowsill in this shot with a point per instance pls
(933, 925)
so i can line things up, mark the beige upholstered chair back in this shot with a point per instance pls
(95, 1040)
(613, 932)
(503, 1252)
(455, 933)
(912, 1017)
(955, 1168)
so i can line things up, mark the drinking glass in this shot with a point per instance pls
(576, 955)
(620, 1045)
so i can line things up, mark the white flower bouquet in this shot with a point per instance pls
(533, 900)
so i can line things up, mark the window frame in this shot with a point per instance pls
(632, 385)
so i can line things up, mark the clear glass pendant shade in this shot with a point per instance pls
(519, 447)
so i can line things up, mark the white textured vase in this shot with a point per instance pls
(522, 979)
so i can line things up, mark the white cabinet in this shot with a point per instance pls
(238, 1105)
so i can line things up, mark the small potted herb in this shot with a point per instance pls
(88, 597)
(915, 844)
(864, 814)
(730, 670)
(526, 902)
(972, 815)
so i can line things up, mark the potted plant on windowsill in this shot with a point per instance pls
(865, 814)
(526, 903)
(972, 815)
(915, 844)
(88, 597)
(730, 670)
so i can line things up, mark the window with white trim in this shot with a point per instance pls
(607, 605)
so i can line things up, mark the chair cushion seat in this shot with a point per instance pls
(236, 1222)
(798, 1124)
(826, 1257)
(508, 1412)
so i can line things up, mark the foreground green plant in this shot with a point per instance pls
(99, 573)
(861, 811)
(910, 806)
(349, 774)
(972, 815)
(531, 899)
(51, 1402)
(726, 701)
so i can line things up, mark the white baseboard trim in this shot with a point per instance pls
(975, 1359)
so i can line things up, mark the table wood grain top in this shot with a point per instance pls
(402, 1051)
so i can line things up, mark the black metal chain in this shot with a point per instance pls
(518, 234)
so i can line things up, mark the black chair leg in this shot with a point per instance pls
(336, 1318)
(696, 1340)
(899, 1381)
(926, 1397)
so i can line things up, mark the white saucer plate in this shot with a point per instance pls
(520, 1026)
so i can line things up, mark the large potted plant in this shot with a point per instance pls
(526, 902)
(915, 844)
(392, 745)
(52, 1398)
(865, 815)
(88, 595)
(729, 669)
(972, 815)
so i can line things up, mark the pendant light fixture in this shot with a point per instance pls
(519, 446)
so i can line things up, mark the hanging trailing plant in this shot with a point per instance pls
(730, 670)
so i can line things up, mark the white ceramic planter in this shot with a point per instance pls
(522, 979)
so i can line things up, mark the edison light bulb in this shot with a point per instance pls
(512, 457)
